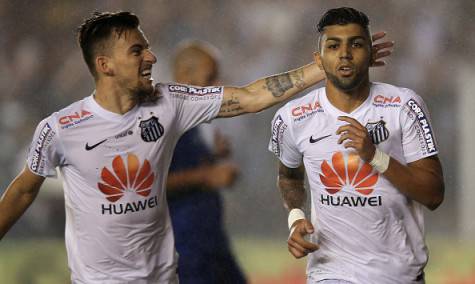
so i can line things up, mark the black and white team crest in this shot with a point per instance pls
(151, 130)
(377, 131)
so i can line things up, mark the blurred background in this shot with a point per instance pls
(41, 71)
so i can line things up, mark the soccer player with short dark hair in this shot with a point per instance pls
(370, 155)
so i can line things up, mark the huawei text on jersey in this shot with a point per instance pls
(348, 174)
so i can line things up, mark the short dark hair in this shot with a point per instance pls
(343, 16)
(94, 31)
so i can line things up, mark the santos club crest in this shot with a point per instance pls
(377, 131)
(151, 130)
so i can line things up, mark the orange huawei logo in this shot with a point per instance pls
(352, 173)
(130, 177)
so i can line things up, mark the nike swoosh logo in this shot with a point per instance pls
(318, 139)
(89, 148)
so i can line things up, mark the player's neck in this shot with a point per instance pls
(347, 101)
(112, 98)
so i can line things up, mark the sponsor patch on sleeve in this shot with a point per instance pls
(278, 128)
(195, 91)
(426, 135)
(44, 140)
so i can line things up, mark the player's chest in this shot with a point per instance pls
(101, 141)
(318, 138)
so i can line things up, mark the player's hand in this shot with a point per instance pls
(356, 136)
(222, 146)
(298, 246)
(220, 175)
(380, 50)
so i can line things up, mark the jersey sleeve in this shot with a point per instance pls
(282, 142)
(418, 139)
(194, 105)
(43, 155)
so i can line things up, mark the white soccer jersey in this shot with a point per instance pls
(367, 230)
(114, 170)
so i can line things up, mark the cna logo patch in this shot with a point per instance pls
(348, 173)
(126, 176)
(384, 101)
(71, 120)
(307, 110)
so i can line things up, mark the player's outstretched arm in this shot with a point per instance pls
(17, 198)
(271, 90)
(420, 180)
(291, 185)
(268, 91)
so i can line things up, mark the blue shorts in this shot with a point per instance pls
(205, 255)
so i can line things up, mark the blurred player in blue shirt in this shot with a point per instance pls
(196, 175)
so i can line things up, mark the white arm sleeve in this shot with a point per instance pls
(193, 105)
(418, 139)
(282, 142)
(43, 156)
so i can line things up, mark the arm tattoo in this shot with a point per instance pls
(295, 174)
(231, 106)
(297, 78)
(291, 186)
(279, 84)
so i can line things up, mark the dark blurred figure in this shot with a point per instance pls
(196, 175)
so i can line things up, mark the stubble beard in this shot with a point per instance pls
(145, 94)
(346, 84)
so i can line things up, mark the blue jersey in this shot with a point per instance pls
(196, 213)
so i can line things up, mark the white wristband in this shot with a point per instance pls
(380, 161)
(294, 215)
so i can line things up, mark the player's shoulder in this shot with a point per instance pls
(388, 95)
(182, 91)
(74, 114)
(308, 103)
(70, 115)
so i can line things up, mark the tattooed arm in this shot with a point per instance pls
(269, 91)
(291, 186)
(290, 182)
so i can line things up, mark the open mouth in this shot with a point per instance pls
(345, 70)
(147, 74)
(146, 71)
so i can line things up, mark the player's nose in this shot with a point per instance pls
(150, 56)
(345, 52)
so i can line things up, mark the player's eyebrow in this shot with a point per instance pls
(139, 45)
(338, 39)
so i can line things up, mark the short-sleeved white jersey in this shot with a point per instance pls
(114, 170)
(367, 230)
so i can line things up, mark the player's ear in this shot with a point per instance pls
(104, 65)
(318, 59)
